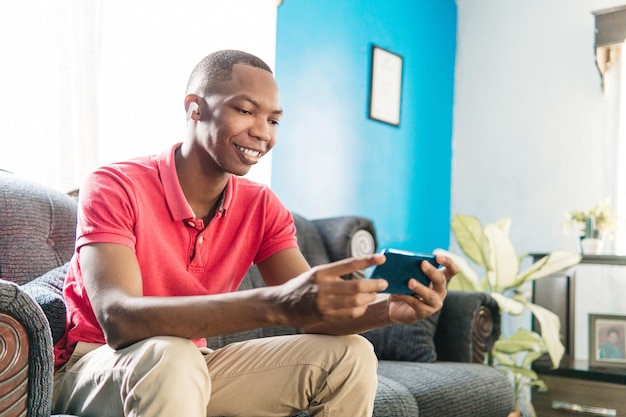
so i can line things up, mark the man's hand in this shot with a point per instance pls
(427, 300)
(320, 295)
(320, 301)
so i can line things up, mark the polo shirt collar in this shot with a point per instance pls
(174, 197)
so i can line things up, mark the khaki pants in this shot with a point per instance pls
(171, 377)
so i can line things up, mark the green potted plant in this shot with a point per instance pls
(491, 249)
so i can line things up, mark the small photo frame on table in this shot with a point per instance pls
(385, 86)
(607, 341)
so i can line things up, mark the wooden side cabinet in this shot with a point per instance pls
(577, 390)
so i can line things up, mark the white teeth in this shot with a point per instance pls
(249, 152)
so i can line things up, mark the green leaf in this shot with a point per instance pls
(466, 279)
(491, 281)
(504, 359)
(549, 264)
(520, 296)
(550, 332)
(508, 305)
(540, 385)
(524, 372)
(504, 225)
(461, 282)
(503, 258)
(523, 340)
(471, 239)
(530, 358)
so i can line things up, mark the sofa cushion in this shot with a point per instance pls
(37, 228)
(47, 291)
(309, 241)
(453, 389)
(401, 342)
(393, 399)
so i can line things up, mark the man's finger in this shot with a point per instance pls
(341, 287)
(331, 303)
(450, 267)
(349, 265)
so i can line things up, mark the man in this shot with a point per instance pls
(162, 244)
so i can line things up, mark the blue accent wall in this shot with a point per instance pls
(331, 159)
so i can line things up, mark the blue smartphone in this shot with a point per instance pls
(400, 267)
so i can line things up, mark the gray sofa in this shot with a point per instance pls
(433, 368)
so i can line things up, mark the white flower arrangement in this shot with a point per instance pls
(599, 221)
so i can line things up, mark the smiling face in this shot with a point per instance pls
(237, 121)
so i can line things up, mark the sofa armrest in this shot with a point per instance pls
(468, 327)
(24, 332)
(47, 291)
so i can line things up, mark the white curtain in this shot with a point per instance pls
(87, 82)
(48, 127)
(616, 94)
(610, 64)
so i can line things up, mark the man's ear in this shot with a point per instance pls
(192, 106)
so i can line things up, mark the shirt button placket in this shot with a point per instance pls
(193, 234)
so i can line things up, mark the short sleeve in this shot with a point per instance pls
(279, 229)
(106, 212)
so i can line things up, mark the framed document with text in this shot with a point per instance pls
(385, 86)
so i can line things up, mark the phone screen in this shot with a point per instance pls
(400, 267)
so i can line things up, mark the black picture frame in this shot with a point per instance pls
(385, 98)
(607, 341)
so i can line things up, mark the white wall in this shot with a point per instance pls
(599, 290)
(87, 83)
(529, 137)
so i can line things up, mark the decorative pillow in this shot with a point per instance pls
(347, 236)
(406, 342)
(47, 291)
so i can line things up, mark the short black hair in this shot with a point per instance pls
(613, 330)
(218, 66)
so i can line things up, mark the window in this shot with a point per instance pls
(86, 83)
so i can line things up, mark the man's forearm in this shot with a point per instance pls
(196, 317)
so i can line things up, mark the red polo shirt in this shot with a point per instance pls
(140, 204)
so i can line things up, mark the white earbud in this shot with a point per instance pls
(193, 108)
